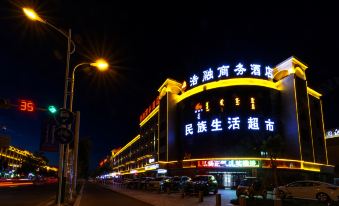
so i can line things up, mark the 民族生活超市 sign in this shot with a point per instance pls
(232, 123)
(228, 71)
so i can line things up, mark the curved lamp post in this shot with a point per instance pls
(32, 15)
(102, 66)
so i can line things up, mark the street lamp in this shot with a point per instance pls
(102, 66)
(32, 15)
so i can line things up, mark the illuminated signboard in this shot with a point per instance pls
(230, 121)
(227, 163)
(26, 105)
(133, 171)
(162, 171)
(228, 71)
(152, 167)
(148, 111)
(332, 133)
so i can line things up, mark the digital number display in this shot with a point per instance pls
(26, 105)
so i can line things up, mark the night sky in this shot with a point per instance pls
(145, 44)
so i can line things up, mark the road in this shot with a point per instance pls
(95, 195)
(27, 195)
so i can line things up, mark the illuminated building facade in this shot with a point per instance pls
(13, 158)
(216, 123)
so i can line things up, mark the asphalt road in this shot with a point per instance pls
(28, 195)
(95, 195)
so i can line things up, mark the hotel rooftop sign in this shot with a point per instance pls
(229, 71)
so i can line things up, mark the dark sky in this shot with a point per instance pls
(145, 44)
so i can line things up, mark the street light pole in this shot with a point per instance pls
(31, 14)
(102, 65)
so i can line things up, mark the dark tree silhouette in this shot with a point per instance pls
(274, 146)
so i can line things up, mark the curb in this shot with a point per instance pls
(78, 199)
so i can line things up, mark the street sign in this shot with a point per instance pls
(48, 143)
(63, 135)
(65, 117)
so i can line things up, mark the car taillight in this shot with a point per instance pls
(333, 188)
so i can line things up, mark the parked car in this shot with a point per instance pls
(205, 183)
(143, 183)
(321, 191)
(133, 183)
(157, 183)
(251, 186)
(176, 183)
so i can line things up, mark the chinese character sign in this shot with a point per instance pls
(228, 71)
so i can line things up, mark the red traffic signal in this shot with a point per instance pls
(26, 105)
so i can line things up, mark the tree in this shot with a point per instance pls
(274, 146)
(29, 165)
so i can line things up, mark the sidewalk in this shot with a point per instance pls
(173, 199)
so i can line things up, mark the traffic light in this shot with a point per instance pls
(52, 109)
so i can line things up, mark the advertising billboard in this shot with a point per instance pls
(230, 121)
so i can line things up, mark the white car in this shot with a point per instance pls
(321, 191)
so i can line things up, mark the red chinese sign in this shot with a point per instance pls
(148, 111)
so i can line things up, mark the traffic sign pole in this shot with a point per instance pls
(75, 152)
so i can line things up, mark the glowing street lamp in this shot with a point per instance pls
(101, 65)
(32, 15)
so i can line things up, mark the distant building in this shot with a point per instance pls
(11, 158)
(216, 121)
